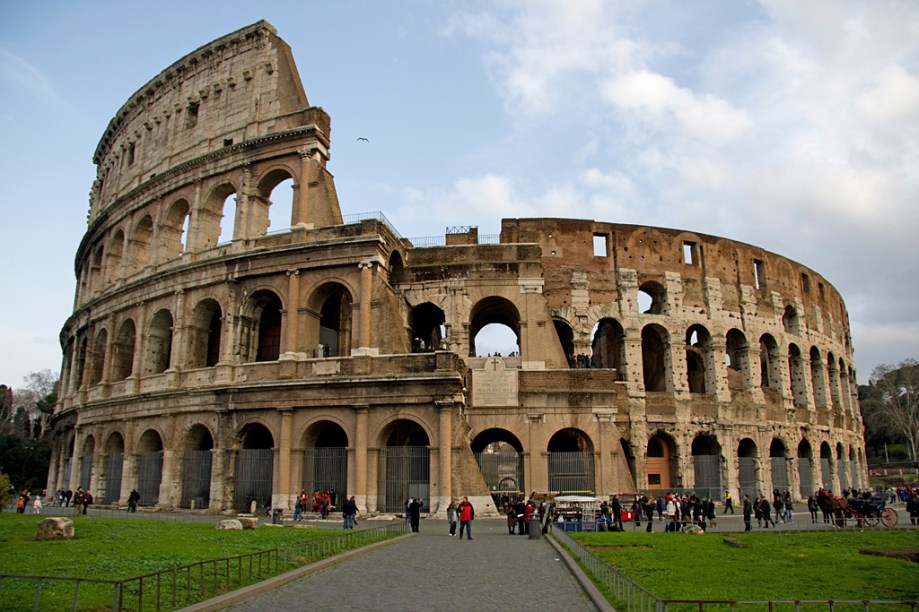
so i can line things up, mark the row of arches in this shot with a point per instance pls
(162, 232)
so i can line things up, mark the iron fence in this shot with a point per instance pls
(180, 586)
(626, 594)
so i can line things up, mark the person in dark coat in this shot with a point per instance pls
(747, 511)
(766, 510)
(414, 513)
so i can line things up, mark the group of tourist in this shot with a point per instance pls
(321, 502)
(522, 513)
(462, 512)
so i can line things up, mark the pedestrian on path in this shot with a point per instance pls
(747, 511)
(414, 513)
(451, 517)
(466, 516)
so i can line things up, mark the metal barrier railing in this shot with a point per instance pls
(626, 594)
(179, 586)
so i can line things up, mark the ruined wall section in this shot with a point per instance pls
(236, 88)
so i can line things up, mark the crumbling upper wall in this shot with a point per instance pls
(236, 88)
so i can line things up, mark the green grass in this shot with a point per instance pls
(805, 565)
(117, 549)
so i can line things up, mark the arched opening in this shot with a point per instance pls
(396, 269)
(500, 457)
(405, 465)
(196, 467)
(272, 207)
(748, 470)
(770, 375)
(790, 320)
(114, 465)
(96, 370)
(174, 231)
(826, 472)
(113, 258)
(654, 359)
(699, 376)
(661, 464)
(427, 324)
(95, 271)
(261, 327)
(736, 358)
(494, 326)
(325, 460)
(805, 469)
(254, 468)
(608, 346)
(652, 297)
(706, 455)
(833, 378)
(571, 463)
(81, 364)
(818, 380)
(159, 344)
(280, 209)
(566, 338)
(333, 328)
(86, 462)
(123, 351)
(149, 467)
(141, 239)
(778, 459)
(797, 376)
(217, 218)
(842, 471)
(204, 334)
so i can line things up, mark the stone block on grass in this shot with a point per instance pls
(54, 528)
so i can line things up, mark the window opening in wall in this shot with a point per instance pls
(805, 283)
(651, 296)
(690, 253)
(496, 339)
(227, 142)
(759, 273)
(227, 221)
(131, 154)
(191, 115)
(644, 302)
(601, 245)
(184, 238)
(820, 289)
(280, 212)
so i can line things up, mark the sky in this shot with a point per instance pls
(787, 124)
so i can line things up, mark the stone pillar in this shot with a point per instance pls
(366, 267)
(360, 455)
(179, 357)
(293, 301)
(284, 472)
(301, 205)
(605, 469)
(168, 483)
(77, 459)
(535, 468)
(445, 449)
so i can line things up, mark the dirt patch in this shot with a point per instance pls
(907, 554)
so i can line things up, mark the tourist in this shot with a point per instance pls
(466, 516)
(766, 510)
(672, 514)
(779, 505)
(528, 515)
(133, 500)
(747, 511)
(36, 505)
(78, 500)
(616, 511)
(348, 512)
(788, 507)
(414, 513)
(649, 513)
(87, 500)
(511, 514)
(519, 508)
(67, 495)
(728, 502)
(451, 518)
(812, 507)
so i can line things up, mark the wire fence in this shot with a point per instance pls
(179, 586)
(626, 594)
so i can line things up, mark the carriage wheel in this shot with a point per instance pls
(889, 517)
(872, 520)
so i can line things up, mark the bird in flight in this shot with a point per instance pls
(362, 138)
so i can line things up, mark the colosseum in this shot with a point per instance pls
(229, 343)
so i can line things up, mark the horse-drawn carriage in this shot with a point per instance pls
(867, 512)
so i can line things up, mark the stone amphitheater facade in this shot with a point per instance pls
(210, 362)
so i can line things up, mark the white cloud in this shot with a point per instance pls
(21, 75)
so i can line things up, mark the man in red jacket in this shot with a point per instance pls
(466, 516)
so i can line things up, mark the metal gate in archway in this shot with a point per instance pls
(804, 475)
(326, 469)
(113, 469)
(826, 474)
(779, 473)
(707, 472)
(196, 479)
(571, 472)
(503, 473)
(86, 471)
(747, 476)
(407, 473)
(149, 477)
(841, 465)
(254, 473)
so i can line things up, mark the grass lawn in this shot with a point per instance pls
(803, 565)
(120, 548)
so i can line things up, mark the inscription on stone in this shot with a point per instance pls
(494, 385)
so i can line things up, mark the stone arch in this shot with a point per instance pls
(141, 241)
(748, 467)
(842, 472)
(113, 468)
(150, 467)
(778, 458)
(652, 298)
(790, 320)
(493, 310)
(85, 472)
(736, 358)
(661, 465)
(700, 367)
(159, 343)
(97, 366)
(123, 351)
(260, 326)
(173, 236)
(805, 469)
(608, 346)
(818, 380)
(826, 469)
(95, 271)
(205, 333)
(655, 358)
(706, 454)
(396, 268)
(82, 355)
(254, 467)
(197, 461)
(405, 464)
(330, 319)
(264, 219)
(427, 327)
(216, 221)
(832, 372)
(797, 375)
(113, 259)
(566, 338)
(770, 363)
(325, 459)
(571, 462)
(499, 454)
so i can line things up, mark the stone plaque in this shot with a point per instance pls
(494, 385)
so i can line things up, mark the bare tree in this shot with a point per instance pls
(37, 397)
(895, 409)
